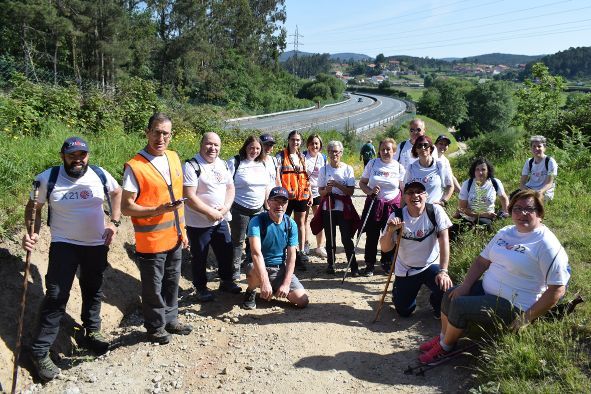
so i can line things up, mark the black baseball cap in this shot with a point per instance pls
(278, 192)
(443, 137)
(74, 144)
(414, 185)
(267, 139)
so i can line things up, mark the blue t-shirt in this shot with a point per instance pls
(276, 239)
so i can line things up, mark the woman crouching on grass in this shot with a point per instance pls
(525, 274)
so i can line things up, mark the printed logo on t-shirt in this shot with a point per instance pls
(385, 174)
(543, 173)
(84, 195)
(516, 248)
(218, 176)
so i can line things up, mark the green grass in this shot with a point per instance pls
(414, 93)
(547, 357)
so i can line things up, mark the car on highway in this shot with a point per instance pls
(360, 100)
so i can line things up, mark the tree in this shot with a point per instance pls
(453, 107)
(490, 108)
(539, 102)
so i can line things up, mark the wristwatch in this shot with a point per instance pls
(117, 223)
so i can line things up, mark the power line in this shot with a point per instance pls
(415, 34)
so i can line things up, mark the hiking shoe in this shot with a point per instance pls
(330, 270)
(45, 368)
(433, 354)
(368, 272)
(178, 328)
(229, 286)
(321, 252)
(425, 347)
(386, 269)
(307, 248)
(160, 336)
(301, 261)
(205, 295)
(250, 300)
(354, 273)
(96, 341)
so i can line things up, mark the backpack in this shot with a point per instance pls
(265, 221)
(198, 168)
(366, 152)
(531, 163)
(53, 179)
(493, 180)
(430, 214)
(400, 148)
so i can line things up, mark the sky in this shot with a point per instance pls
(438, 28)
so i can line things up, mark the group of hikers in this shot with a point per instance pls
(242, 208)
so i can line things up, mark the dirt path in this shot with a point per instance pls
(331, 346)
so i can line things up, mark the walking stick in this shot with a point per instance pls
(332, 240)
(358, 238)
(30, 231)
(399, 238)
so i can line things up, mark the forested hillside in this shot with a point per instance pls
(219, 52)
(571, 63)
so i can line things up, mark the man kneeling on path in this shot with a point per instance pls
(79, 238)
(273, 240)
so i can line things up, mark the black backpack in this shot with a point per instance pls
(493, 180)
(430, 214)
(195, 164)
(53, 179)
(531, 163)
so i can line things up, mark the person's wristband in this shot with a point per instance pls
(443, 202)
(443, 271)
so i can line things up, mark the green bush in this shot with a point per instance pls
(136, 101)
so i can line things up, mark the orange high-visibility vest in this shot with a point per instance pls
(296, 182)
(160, 233)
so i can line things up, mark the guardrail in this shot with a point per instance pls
(379, 122)
(291, 111)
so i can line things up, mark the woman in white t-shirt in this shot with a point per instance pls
(525, 274)
(479, 194)
(382, 183)
(315, 160)
(430, 172)
(336, 184)
(251, 182)
(540, 171)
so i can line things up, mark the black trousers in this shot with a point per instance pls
(346, 236)
(64, 260)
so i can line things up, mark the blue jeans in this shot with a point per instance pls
(218, 237)
(238, 226)
(64, 259)
(160, 274)
(406, 289)
(478, 307)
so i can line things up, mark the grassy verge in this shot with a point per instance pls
(549, 356)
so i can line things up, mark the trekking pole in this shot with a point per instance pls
(333, 246)
(358, 238)
(399, 238)
(30, 231)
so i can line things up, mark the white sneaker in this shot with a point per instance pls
(321, 251)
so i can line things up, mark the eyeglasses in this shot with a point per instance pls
(414, 191)
(335, 152)
(157, 133)
(417, 130)
(423, 146)
(524, 210)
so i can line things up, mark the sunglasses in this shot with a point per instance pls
(423, 146)
(418, 130)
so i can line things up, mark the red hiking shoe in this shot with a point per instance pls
(429, 344)
(434, 354)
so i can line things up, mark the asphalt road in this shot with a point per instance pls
(352, 114)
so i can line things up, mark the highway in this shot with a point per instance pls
(351, 114)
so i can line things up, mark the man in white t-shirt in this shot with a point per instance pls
(79, 238)
(209, 189)
(423, 255)
(404, 155)
(271, 162)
